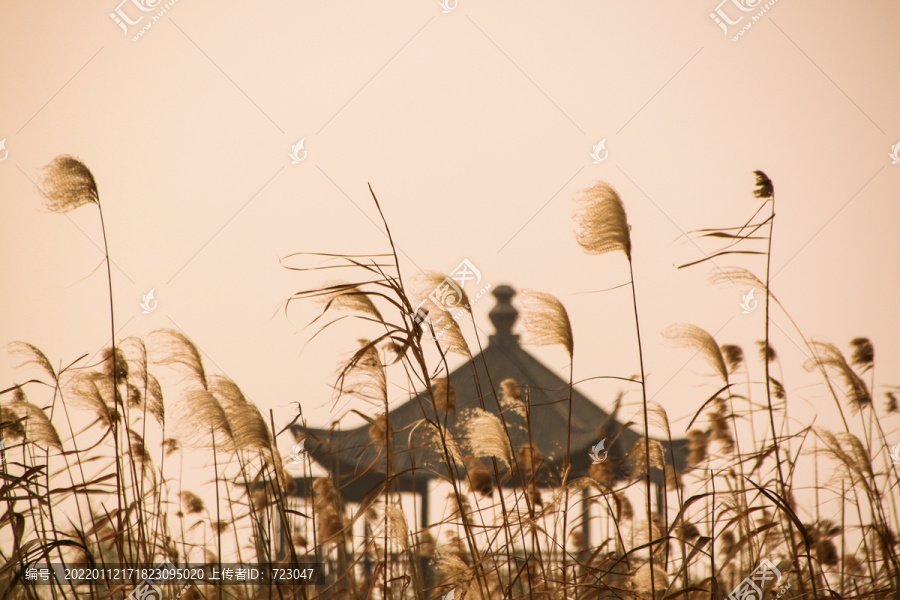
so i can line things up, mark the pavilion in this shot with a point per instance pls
(357, 464)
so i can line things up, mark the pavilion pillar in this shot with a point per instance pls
(586, 517)
(423, 507)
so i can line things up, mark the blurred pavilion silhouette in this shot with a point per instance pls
(357, 464)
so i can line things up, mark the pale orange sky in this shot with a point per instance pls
(474, 128)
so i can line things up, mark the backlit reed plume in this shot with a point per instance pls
(827, 356)
(173, 348)
(659, 417)
(195, 416)
(766, 351)
(143, 385)
(673, 479)
(544, 321)
(438, 286)
(459, 506)
(891, 405)
(28, 420)
(736, 275)
(764, 186)
(329, 517)
(511, 397)
(863, 356)
(432, 436)
(363, 375)
(108, 365)
(444, 395)
(601, 222)
(850, 453)
(191, 503)
(479, 477)
(141, 455)
(637, 458)
(93, 392)
(345, 296)
(484, 435)
(247, 425)
(198, 421)
(440, 325)
(642, 580)
(395, 526)
(688, 336)
(603, 474)
(31, 355)
(67, 184)
(698, 444)
(450, 567)
(534, 494)
(379, 430)
(734, 356)
(248, 428)
(529, 458)
(718, 421)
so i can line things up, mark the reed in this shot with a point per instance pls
(110, 462)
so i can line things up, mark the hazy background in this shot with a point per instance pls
(474, 129)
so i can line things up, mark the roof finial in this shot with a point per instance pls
(504, 315)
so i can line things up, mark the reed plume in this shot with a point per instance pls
(694, 338)
(380, 429)
(544, 321)
(174, 349)
(827, 356)
(191, 503)
(637, 458)
(31, 355)
(511, 398)
(345, 296)
(363, 375)
(25, 419)
(479, 477)
(444, 395)
(484, 435)
(863, 357)
(68, 184)
(734, 356)
(601, 222)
